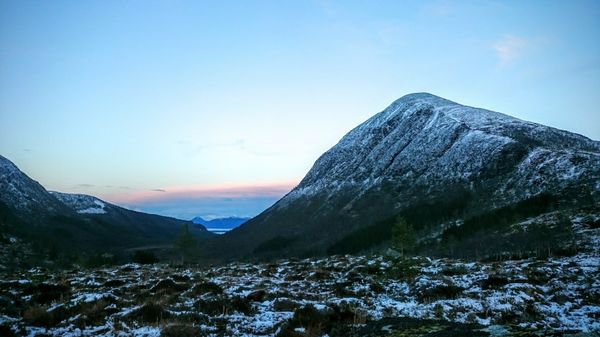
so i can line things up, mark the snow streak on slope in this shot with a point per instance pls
(422, 139)
(81, 203)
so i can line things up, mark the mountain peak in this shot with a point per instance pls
(423, 97)
(420, 151)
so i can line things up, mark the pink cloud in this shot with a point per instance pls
(227, 190)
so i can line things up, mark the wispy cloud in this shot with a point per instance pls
(215, 200)
(84, 186)
(232, 191)
(510, 49)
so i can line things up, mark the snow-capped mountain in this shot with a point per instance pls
(421, 155)
(22, 193)
(77, 222)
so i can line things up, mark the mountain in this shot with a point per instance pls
(451, 170)
(24, 194)
(220, 224)
(76, 222)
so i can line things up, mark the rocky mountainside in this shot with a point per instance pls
(76, 223)
(24, 194)
(81, 203)
(435, 162)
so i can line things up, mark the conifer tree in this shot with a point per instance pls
(403, 236)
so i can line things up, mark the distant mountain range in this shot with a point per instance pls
(455, 172)
(220, 225)
(75, 222)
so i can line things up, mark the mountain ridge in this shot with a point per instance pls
(421, 150)
(221, 223)
(77, 223)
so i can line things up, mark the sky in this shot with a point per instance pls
(219, 108)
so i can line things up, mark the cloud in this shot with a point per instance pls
(216, 200)
(205, 191)
(84, 186)
(510, 48)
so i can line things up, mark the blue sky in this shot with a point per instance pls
(218, 108)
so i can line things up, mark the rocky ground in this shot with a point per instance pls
(335, 296)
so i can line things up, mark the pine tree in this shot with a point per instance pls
(185, 242)
(403, 236)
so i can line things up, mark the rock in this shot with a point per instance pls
(284, 304)
(257, 295)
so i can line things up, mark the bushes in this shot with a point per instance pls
(494, 281)
(150, 312)
(403, 269)
(440, 292)
(206, 287)
(319, 322)
(6, 331)
(504, 216)
(169, 286)
(41, 316)
(38, 316)
(180, 330)
(218, 305)
(284, 304)
(44, 293)
(144, 257)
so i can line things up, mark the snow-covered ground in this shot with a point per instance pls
(335, 296)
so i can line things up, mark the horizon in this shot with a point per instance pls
(190, 109)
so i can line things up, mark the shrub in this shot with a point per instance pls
(313, 320)
(440, 292)
(150, 312)
(38, 316)
(403, 269)
(180, 330)
(144, 257)
(222, 305)
(44, 293)
(169, 286)
(6, 331)
(206, 287)
(494, 281)
(284, 304)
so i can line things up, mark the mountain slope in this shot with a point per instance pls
(24, 194)
(431, 160)
(220, 223)
(77, 222)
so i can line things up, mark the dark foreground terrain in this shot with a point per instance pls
(336, 296)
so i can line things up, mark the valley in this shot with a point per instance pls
(429, 219)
